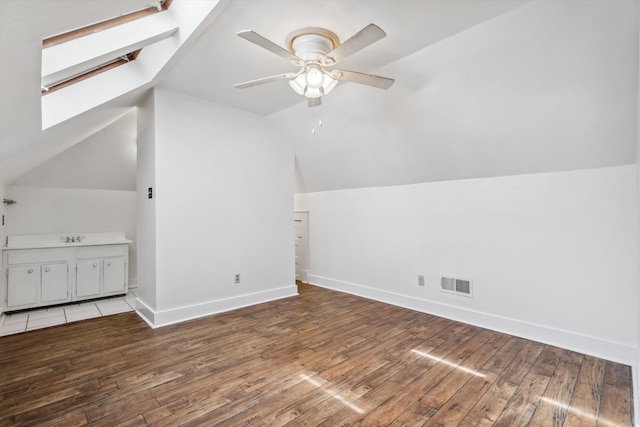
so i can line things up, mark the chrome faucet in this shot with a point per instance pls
(68, 239)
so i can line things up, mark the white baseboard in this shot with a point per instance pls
(156, 319)
(593, 346)
(145, 312)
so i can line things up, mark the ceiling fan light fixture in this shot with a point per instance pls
(299, 84)
(305, 84)
(313, 93)
(328, 84)
(314, 77)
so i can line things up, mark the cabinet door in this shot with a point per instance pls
(88, 278)
(114, 279)
(55, 282)
(22, 286)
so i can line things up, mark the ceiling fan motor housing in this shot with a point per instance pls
(312, 43)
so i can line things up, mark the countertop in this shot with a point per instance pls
(42, 241)
(36, 245)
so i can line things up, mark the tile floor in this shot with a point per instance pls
(37, 318)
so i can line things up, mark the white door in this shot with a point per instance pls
(302, 245)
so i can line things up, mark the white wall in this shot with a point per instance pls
(636, 371)
(223, 205)
(3, 211)
(41, 210)
(553, 256)
(3, 236)
(146, 208)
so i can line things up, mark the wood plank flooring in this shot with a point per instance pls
(320, 359)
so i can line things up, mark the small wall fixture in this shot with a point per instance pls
(9, 202)
(456, 285)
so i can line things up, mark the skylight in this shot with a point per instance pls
(82, 60)
(84, 52)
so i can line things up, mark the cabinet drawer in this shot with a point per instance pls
(101, 251)
(32, 256)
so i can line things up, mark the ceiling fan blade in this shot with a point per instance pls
(266, 80)
(362, 78)
(368, 35)
(256, 38)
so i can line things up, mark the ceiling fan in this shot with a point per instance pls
(315, 50)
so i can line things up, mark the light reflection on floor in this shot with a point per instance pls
(440, 360)
(331, 393)
(567, 408)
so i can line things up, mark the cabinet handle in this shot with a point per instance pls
(95, 264)
(47, 269)
(109, 263)
(30, 271)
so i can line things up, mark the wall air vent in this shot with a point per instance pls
(456, 285)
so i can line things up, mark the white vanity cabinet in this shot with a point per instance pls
(47, 269)
(23, 285)
(101, 271)
(54, 283)
(114, 276)
(88, 277)
(37, 277)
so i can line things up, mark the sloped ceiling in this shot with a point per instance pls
(220, 58)
(106, 160)
(483, 87)
(550, 86)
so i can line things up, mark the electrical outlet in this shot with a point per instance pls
(237, 278)
(421, 280)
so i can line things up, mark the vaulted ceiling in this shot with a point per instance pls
(483, 87)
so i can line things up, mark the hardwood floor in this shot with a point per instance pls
(320, 359)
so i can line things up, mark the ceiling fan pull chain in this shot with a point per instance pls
(316, 118)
